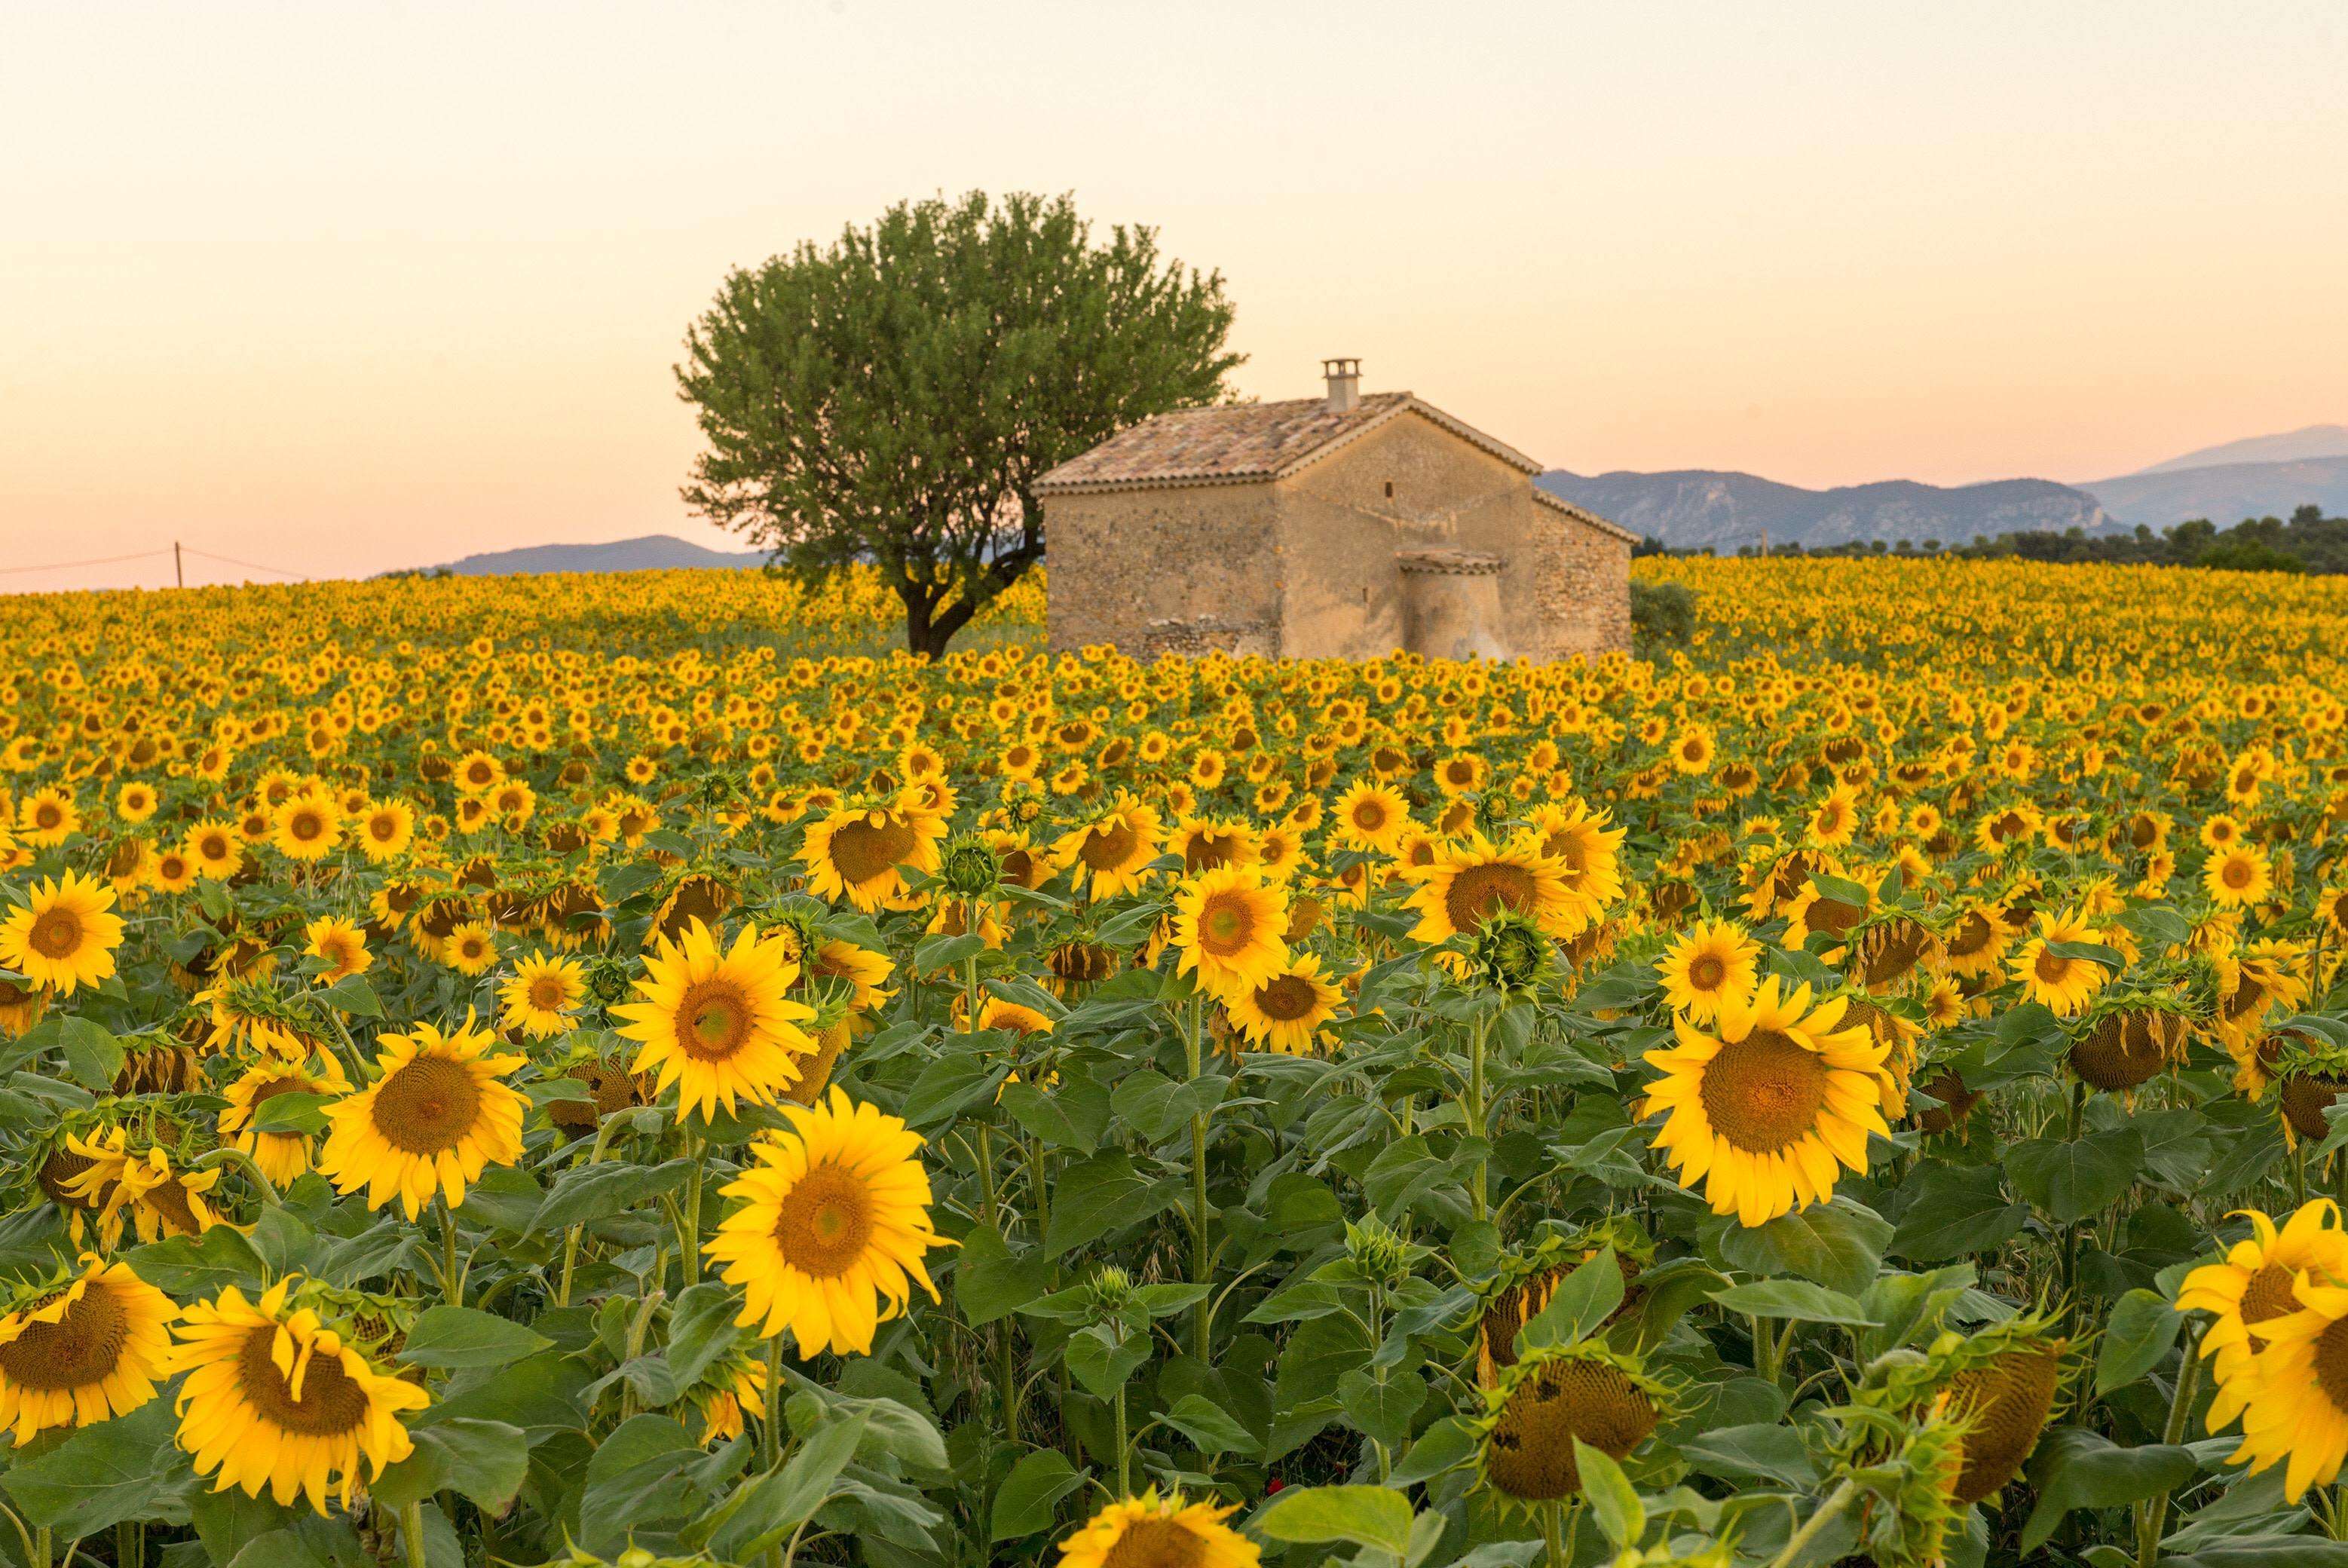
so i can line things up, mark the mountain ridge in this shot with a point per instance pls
(648, 553)
(1694, 508)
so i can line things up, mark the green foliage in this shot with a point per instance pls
(894, 397)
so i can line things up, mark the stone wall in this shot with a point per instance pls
(1306, 567)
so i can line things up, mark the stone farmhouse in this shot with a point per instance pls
(1344, 526)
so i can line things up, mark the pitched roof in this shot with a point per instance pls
(1583, 514)
(1246, 443)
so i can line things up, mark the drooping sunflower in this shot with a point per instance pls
(2064, 985)
(1554, 1395)
(833, 1224)
(340, 942)
(2250, 984)
(1590, 851)
(1713, 962)
(541, 992)
(160, 1200)
(854, 855)
(281, 1400)
(76, 1352)
(719, 1024)
(437, 1115)
(864, 970)
(1108, 854)
(1209, 843)
(1230, 926)
(2011, 1373)
(283, 1157)
(1769, 1106)
(1370, 816)
(1151, 1531)
(1469, 882)
(307, 827)
(2254, 1285)
(63, 937)
(1282, 1014)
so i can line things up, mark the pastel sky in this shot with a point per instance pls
(338, 288)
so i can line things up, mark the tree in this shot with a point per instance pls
(894, 398)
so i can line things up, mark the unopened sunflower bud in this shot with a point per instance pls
(1510, 953)
(972, 867)
(1110, 1289)
(1377, 1251)
(607, 981)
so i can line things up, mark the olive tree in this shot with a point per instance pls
(893, 398)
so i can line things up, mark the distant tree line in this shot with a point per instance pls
(2310, 542)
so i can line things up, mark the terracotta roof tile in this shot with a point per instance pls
(1236, 441)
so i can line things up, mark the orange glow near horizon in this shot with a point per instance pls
(338, 291)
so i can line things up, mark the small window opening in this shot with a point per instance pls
(1390, 490)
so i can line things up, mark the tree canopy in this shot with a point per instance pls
(893, 398)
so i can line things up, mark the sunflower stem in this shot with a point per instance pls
(1553, 1530)
(1124, 1473)
(1823, 1515)
(770, 1437)
(227, 1154)
(452, 1283)
(1201, 1265)
(411, 1530)
(2152, 1522)
(41, 1541)
(1475, 1107)
(688, 1234)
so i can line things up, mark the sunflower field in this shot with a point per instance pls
(620, 1070)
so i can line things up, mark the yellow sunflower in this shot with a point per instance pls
(305, 828)
(1834, 819)
(719, 1024)
(1108, 854)
(1978, 942)
(1712, 962)
(1151, 1531)
(283, 1157)
(2238, 876)
(1282, 1014)
(1768, 1109)
(279, 1400)
(2064, 985)
(82, 1351)
(437, 1115)
(1370, 816)
(63, 937)
(214, 849)
(2254, 1284)
(2293, 1394)
(47, 819)
(172, 870)
(470, 949)
(160, 1200)
(855, 853)
(833, 1222)
(1466, 883)
(1230, 927)
(478, 773)
(863, 969)
(541, 995)
(338, 940)
(385, 830)
(135, 802)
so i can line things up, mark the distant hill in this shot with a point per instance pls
(651, 552)
(2315, 442)
(1697, 507)
(2227, 492)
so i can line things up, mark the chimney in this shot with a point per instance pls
(1344, 378)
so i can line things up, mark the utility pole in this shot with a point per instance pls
(1764, 544)
(177, 571)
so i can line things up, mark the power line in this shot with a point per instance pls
(101, 561)
(249, 566)
(148, 554)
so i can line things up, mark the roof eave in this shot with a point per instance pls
(1583, 514)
